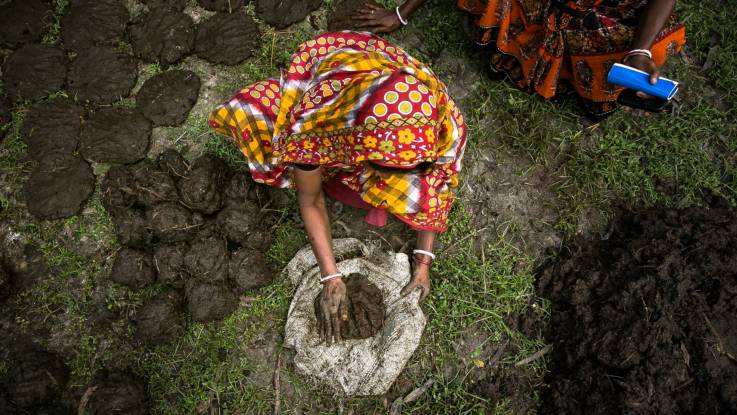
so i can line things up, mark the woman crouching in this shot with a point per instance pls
(359, 119)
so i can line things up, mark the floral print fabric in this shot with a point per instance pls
(346, 101)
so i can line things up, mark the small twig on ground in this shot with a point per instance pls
(718, 338)
(415, 394)
(396, 408)
(277, 386)
(498, 355)
(538, 354)
(85, 398)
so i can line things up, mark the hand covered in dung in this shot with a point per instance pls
(333, 310)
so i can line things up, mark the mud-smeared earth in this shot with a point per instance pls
(644, 321)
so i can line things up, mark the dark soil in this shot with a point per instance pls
(163, 35)
(133, 268)
(52, 126)
(177, 5)
(207, 260)
(58, 186)
(89, 23)
(35, 379)
(366, 309)
(167, 98)
(249, 270)
(22, 21)
(116, 393)
(227, 38)
(226, 6)
(115, 135)
(160, 320)
(202, 187)
(644, 321)
(209, 302)
(285, 12)
(33, 71)
(102, 75)
(343, 11)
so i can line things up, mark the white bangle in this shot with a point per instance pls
(423, 252)
(640, 52)
(330, 277)
(401, 20)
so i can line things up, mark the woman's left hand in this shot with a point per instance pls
(420, 280)
(376, 19)
(644, 64)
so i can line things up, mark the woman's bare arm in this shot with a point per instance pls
(652, 21)
(421, 277)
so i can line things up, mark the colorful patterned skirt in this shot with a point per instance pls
(538, 45)
(378, 123)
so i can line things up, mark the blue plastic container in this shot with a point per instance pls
(638, 80)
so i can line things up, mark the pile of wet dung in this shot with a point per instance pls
(196, 227)
(58, 186)
(341, 17)
(34, 381)
(115, 393)
(225, 6)
(163, 35)
(22, 21)
(366, 309)
(33, 71)
(52, 126)
(227, 38)
(166, 99)
(644, 321)
(115, 135)
(90, 23)
(284, 13)
(102, 75)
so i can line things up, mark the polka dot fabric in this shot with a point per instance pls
(349, 100)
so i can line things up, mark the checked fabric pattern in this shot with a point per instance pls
(349, 101)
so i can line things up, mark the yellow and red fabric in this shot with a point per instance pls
(346, 101)
(539, 45)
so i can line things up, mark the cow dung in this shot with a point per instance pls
(249, 270)
(22, 21)
(33, 71)
(169, 262)
(202, 187)
(209, 302)
(115, 135)
(52, 126)
(133, 268)
(366, 308)
(167, 98)
(226, 6)
(163, 35)
(131, 227)
(207, 260)
(160, 320)
(102, 75)
(36, 378)
(284, 13)
(172, 222)
(177, 5)
(116, 393)
(227, 38)
(58, 186)
(93, 22)
(172, 162)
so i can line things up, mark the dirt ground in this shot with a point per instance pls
(643, 321)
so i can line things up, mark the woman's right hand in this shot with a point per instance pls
(333, 310)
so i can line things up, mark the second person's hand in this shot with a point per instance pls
(376, 19)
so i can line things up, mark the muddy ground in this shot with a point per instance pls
(643, 321)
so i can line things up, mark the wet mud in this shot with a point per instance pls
(163, 35)
(58, 186)
(167, 98)
(168, 215)
(644, 321)
(116, 393)
(366, 309)
(115, 135)
(343, 11)
(282, 14)
(227, 38)
(225, 6)
(52, 126)
(89, 23)
(33, 71)
(101, 75)
(22, 21)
